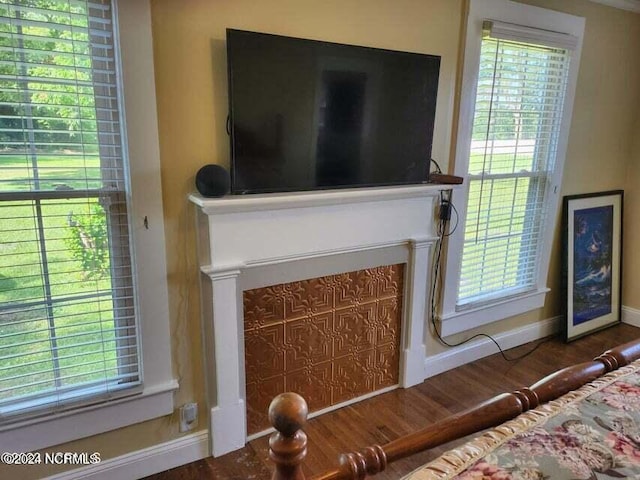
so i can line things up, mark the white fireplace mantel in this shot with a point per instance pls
(259, 240)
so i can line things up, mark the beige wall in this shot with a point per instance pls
(191, 87)
(631, 254)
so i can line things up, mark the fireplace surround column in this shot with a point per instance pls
(413, 352)
(228, 415)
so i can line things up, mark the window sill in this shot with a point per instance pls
(456, 322)
(30, 435)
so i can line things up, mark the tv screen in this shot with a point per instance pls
(308, 115)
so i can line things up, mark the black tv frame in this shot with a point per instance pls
(231, 127)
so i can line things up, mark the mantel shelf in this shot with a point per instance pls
(277, 201)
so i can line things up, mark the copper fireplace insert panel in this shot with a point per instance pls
(330, 339)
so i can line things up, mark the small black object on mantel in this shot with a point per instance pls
(213, 181)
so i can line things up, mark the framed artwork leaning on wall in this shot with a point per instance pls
(591, 261)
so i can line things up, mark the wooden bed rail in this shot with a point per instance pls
(288, 414)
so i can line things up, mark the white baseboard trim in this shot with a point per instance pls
(483, 347)
(631, 316)
(145, 462)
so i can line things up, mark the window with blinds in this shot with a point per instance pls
(518, 109)
(67, 313)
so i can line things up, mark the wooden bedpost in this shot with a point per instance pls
(288, 445)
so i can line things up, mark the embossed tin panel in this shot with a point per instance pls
(329, 339)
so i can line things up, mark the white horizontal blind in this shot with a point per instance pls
(528, 35)
(518, 110)
(67, 323)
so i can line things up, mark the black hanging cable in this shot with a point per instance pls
(442, 234)
(438, 169)
(455, 227)
(443, 221)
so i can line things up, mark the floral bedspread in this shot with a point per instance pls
(593, 433)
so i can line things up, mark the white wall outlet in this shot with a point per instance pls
(188, 416)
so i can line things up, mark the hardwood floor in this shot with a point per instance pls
(388, 416)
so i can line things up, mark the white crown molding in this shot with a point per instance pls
(629, 5)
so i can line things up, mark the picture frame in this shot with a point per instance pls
(591, 261)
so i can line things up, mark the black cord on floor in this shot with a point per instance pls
(442, 234)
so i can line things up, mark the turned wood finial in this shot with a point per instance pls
(288, 445)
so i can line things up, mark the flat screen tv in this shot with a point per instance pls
(307, 115)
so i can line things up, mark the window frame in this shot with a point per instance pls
(155, 398)
(454, 319)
